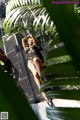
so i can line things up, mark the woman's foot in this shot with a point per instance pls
(50, 103)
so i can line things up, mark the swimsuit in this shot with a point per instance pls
(34, 52)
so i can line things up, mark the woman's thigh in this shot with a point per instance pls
(32, 67)
(37, 60)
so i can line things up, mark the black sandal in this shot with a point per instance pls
(50, 103)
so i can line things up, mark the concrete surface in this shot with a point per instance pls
(40, 108)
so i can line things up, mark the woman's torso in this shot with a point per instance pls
(33, 52)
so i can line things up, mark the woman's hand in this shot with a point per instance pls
(30, 35)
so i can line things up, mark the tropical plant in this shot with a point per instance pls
(63, 72)
(13, 100)
(29, 14)
(63, 45)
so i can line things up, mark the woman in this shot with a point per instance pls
(35, 61)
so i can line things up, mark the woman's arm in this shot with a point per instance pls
(24, 42)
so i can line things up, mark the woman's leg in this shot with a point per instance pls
(38, 64)
(33, 69)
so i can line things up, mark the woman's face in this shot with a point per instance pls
(30, 41)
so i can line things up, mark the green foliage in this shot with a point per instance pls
(63, 113)
(13, 100)
(63, 60)
(27, 14)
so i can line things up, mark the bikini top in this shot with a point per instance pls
(33, 51)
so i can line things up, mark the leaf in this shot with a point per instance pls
(68, 27)
(55, 40)
(63, 113)
(64, 69)
(64, 94)
(12, 97)
(58, 81)
(56, 52)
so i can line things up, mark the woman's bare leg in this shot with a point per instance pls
(38, 63)
(32, 68)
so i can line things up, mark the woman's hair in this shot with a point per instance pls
(28, 37)
(34, 39)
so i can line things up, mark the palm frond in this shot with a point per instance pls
(63, 113)
(24, 11)
(59, 81)
(7, 101)
(18, 12)
(64, 94)
(14, 4)
(62, 70)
